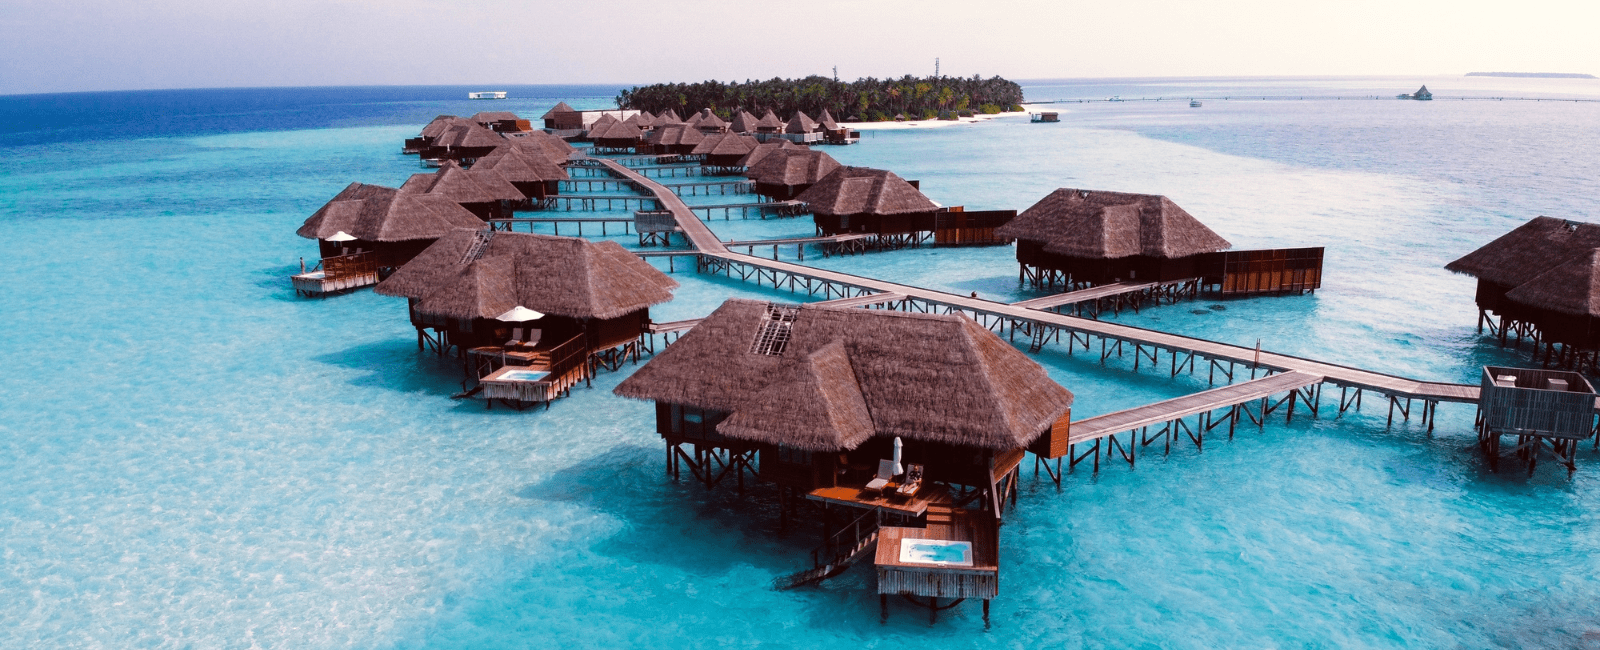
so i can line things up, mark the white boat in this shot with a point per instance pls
(487, 94)
(1194, 103)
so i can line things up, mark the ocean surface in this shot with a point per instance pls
(193, 457)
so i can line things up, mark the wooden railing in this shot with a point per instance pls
(352, 265)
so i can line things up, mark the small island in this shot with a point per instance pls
(862, 100)
(1534, 75)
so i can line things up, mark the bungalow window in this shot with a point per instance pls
(691, 422)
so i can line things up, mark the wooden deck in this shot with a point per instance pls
(854, 497)
(1093, 293)
(713, 249)
(863, 301)
(1166, 411)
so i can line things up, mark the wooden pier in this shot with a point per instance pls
(1114, 296)
(832, 245)
(704, 189)
(508, 225)
(1234, 401)
(763, 209)
(1223, 360)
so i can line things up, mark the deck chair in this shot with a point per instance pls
(913, 482)
(885, 472)
(516, 338)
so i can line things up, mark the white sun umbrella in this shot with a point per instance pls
(519, 314)
(898, 470)
(342, 236)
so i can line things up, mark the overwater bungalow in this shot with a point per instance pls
(871, 201)
(366, 231)
(765, 148)
(769, 126)
(786, 173)
(834, 133)
(482, 193)
(429, 132)
(919, 420)
(639, 121)
(801, 129)
(744, 122)
(562, 117)
(674, 139)
(666, 118)
(1094, 237)
(708, 122)
(1542, 263)
(462, 141)
(555, 149)
(527, 169)
(532, 315)
(723, 151)
(501, 122)
(616, 137)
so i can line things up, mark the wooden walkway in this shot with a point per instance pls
(863, 301)
(1085, 295)
(1204, 401)
(715, 257)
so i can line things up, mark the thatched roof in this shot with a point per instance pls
(462, 186)
(1112, 225)
(706, 120)
(637, 121)
(826, 121)
(864, 190)
(602, 123)
(564, 276)
(848, 374)
(666, 118)
(1532, 248)
(1569, 288)
(485, 117)
(616, 131)
(744, 122)
(725, 144)
(438, 125)
(770, 121)
(520, 165)
(466, 134)
(384, 214)
(792, 167)
(766, 148)
(673, 135)
(556, 149)
(800, 123)
(560, 107)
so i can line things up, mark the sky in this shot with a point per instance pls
(85, 45)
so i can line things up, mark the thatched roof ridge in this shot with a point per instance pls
(1112, 225)
(438, 125)
(826, 121)
(1528, 250)
(732, 144)
(463, 133)
(800, 123)
(864, 190)
(709, 120)
(770, 120)
(743, 122)
(708, 143)
(565, 276)
(766, 148)
(924, 377)
(1570, 288)
(560, 107)
(675, 135)
(616, 130)
(384, 214)
(556, 149)
(666, 118)
(792, 167)
(482, 117)
(529, 154)
(601, 123)
(454, 183)
(638, 121)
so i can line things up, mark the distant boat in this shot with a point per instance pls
(487, 94)
(1194, 103)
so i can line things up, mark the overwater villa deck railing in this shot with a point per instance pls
(841, 550)
(338, 273)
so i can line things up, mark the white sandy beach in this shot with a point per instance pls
(925, 124)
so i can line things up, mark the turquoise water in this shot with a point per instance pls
(193, 457)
